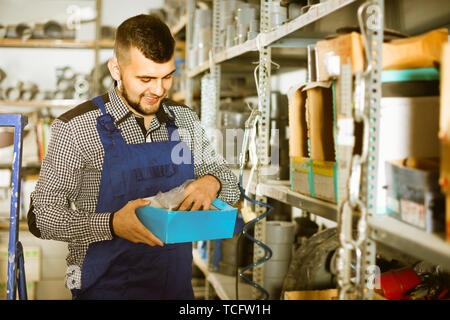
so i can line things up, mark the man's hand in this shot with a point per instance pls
(126, 224)
(200, 194)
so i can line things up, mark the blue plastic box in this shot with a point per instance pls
(188, 226)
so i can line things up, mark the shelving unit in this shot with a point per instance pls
(321, 20)
(54, 103)
(70, 44)
(46, 43)
(223, 285)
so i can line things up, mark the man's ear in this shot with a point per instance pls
(114, 69)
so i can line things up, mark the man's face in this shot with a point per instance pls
(144, 82)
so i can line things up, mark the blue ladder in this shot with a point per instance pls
(16, 267)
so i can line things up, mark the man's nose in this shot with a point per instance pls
(157, 88)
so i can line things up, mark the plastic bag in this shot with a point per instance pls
(171, 199)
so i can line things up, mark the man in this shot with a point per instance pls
(108, 153)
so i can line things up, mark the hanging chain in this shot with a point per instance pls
(352, 203)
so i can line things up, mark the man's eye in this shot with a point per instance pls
(145, 80)
(169, 76)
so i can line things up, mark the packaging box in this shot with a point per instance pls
(31, 290)
(312, 127)
(32, 259)
(329, 294)
(444, 122)
(347, 47)
(413, 194)
(187, 226)
(301, 175)
(444, 130)
(52, 290)
(320, 120)
(422, 51)
(317, 179)
(298, 135)
(408, 125)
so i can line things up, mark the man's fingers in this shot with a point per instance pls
(186, 203)
(138, 203)
(146, 236)
(196, 206)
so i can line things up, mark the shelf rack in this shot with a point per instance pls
(223, 285)
(292, 34)
(45, 43)
(69, 44)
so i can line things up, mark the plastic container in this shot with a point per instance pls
(188, 226)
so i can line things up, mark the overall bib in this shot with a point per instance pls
(118, 268)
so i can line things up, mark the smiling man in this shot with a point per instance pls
(108, 153)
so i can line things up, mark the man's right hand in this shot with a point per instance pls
(126, 224)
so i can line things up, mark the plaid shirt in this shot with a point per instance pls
(63, 205)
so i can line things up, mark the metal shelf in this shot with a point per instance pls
(55, 103)
(408, 239)
(223, 285)
(47, 43)
(316, 12)
(281, 191)
(198, 69)
(180, 25)
(225, 55)
(236, 51)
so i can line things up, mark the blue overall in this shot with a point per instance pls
(118, 268)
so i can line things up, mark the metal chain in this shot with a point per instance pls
(353, 201)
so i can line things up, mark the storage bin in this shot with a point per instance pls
(187, 226)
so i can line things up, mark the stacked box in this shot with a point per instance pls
(444, 131)
(312, 145)
(413, 195)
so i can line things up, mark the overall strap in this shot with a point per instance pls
(110, 135)
(172, 129)
(98, 101)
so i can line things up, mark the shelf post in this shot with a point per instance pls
(263, 87)
(98, 34)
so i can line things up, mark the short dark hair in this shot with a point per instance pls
(147, 33)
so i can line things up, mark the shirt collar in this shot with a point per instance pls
(118, 109)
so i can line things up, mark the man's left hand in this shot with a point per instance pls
(199, 194)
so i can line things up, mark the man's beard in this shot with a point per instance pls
(135, 105)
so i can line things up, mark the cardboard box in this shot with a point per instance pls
(422, 51)
(317, 179)
(298, 134)
(320, 121)
(187, 226)
(31, 291)
(330, 294)
(444, 122)
(301, 174)
(313, 173)
(52, 290)
(408, 125)
(32, 260)
(417, 136)
(414, 196)
(349, 47)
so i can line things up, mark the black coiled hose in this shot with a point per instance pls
(264, 246)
